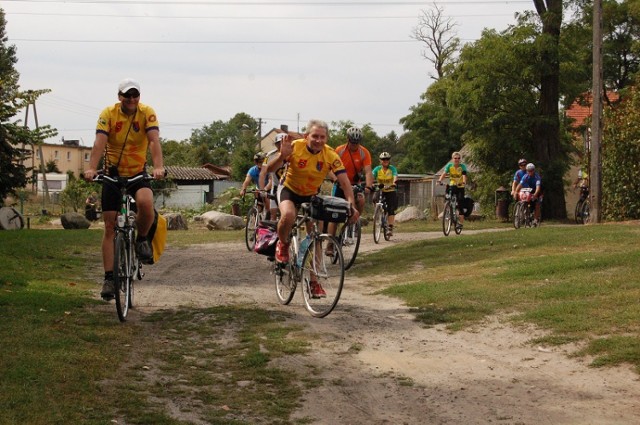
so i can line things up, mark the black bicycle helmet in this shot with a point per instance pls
(354, 134)
(385, 155)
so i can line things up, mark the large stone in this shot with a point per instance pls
(74, 220)
(216, 220)
(409, 213)
(175, 221)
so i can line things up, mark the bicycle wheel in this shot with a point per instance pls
(578, 212)
(528, 216)
(377, 223)
(518, 219)
(318, 269)
(585, 213)
(385, 226)
(285, 282)
(350, 243)
(447, 218)
(250, 228)
(121, 275)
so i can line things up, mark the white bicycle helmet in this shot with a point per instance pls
(530, 167)
(385, 155)
(354, 134)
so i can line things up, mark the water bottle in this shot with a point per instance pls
(304, 245)
(121, 216)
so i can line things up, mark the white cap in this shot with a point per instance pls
(128, 84)
(280, 137)
(530, 167)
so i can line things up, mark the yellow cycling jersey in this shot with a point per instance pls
(120, 127)
(455, 174)
(306, 170)
(385, 177)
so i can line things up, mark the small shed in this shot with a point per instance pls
(189, 187)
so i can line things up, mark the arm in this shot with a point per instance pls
(156, 154)
(262, 178)
(368, 177)
(332, 177)
(96, 153)
(245, 184)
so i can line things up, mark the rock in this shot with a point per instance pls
(74, 220)
(221, 221)
(409, 213)
(175, 221)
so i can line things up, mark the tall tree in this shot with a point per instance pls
(439, 37)
(14, 138)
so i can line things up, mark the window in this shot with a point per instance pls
(86, 157)
(68, 156)
(37, 153)
(56, 154)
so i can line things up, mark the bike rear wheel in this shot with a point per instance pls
(250, 228)
(317, 268)
(122, 275)
(447, 218)
(518, 219)
(578, 212)
(377, 223)
(350, 243)
(285, 282)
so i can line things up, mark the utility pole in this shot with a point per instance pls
(595, 173)
(45, 186)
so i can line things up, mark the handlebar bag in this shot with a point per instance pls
(330, 208)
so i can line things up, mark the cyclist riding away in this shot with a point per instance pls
(124, 132)
(532, 181)
(357, 162)
(457, 173)
(386, 176)
(308, 162)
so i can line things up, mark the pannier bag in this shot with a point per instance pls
(266, 238)
(330, 208)
(525, 195)
(157, 236)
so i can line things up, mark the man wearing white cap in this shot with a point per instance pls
(270, 181)
(124, 133)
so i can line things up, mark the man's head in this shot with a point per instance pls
(522, 163)
(258, 159)
(354, 135)
(316, 135)
(129, 94)
(456, 157)
(531, 168)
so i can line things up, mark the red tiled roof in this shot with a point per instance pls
(580, 109)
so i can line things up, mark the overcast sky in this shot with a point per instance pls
(202, 61)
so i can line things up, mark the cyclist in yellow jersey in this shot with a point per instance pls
(386, 175)
(457, 173)
(307, 161)
(124, 133)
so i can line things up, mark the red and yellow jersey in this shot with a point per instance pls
(354, 162)
(120, 127)
(306, 170)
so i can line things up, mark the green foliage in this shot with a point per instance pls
(76, 193)
(621, 160)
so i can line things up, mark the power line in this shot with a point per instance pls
(272, 3)
(42, 40)
(260, 18)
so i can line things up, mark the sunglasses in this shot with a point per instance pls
(130, 94)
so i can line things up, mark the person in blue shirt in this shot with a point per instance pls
(253, 175)
(519, 174)
(533, 181)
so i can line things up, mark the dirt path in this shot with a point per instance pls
(381, 367)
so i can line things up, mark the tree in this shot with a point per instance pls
(438, 35)
(14, 137)
(221, 138)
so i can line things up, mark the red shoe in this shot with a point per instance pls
(316, 290)
(282, 252)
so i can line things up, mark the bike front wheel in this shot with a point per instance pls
(122, 275)
(350, 243)
(585, 213)
(447, 218)
(322, 277)
(518, 215)
(578, 212)
(377, 223)
(250, 228)
(285, 282)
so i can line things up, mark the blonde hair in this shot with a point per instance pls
(456, 154)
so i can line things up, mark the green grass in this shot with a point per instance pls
(577, 282)
(66, 359)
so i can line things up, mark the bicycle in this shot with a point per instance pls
(381, 217)
(524, 211)
(350, 235)
(308, 262)
(256, 213)
(450, 213)
(126, 265)
(583, 206)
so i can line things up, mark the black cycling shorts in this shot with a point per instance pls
(112, 198)
(287, 194)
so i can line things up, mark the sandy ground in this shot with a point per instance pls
(379, 366)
